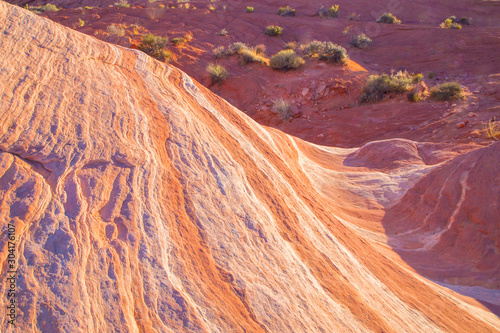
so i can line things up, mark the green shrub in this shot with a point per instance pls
(361, 41)
(122, 4)
(378, 86)
(236, 47)
(283, 108)
(313, 48)
(333, 11)
(285, 60)
(286, 11)
(247, 56)
(447, 91)
(334, 53)
(217, 73)
(326, 51)
(431, 75)
(178, 41)
(250, 9)
(115, 30)
(219, 52)
(290, 46)
(416, 78)
(49, 8)
(155, 47)
(450, 24)
(40, 9)
(388, 18)
(273, 30)
(223, 32)
(81, 23)
(414, 97)
(462, 20)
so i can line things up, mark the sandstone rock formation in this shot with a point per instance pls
(144, 203)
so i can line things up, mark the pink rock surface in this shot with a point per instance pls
(144, 203)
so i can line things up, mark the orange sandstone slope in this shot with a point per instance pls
(144, 203)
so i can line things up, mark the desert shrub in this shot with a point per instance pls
(388, 18)
(116, 30)
(431, 75)
(353, 17)
(247, 56)
(334, 53)
(217, 73)
(223, 32)
(414, 97)
(81, 22)
(313, 48)
(492, 130)
(178, 41)
(361, 41)
(416, 78)
(283, 108)
(286, 11)
(40, 9)
(49, 8)
(326, 51)
(447, 91)
(155, 47)
(273, 30)
(290, 46)
(219, 51)
(250, 9)
(236, 47)
(462, 20)
(333, 11)
(285, 60)
(449, 24)
(88, 7)
(122, 4)
(260, 49)
(378, 86)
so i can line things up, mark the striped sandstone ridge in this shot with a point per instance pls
(144, 203)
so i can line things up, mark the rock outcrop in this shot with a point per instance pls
(144, 203)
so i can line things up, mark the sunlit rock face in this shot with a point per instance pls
(141, 202)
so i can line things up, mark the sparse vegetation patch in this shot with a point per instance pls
(333, 11)
(250, 9)
(379, 86)
(283, 108)
(447, 91)
(286, 60)
(388, 18)
(274, 30)
(286, 11)
(178, 41)
(155, 47)
(115, 30)
(326, 51)
(122, 4)
(450, 24)
(361, 41)
(217, 73)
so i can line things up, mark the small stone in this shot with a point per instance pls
(472, 114)
(462, 124)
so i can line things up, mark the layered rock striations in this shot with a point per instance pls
(144, 203)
